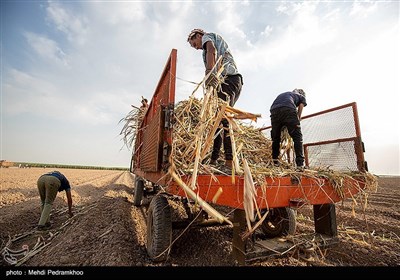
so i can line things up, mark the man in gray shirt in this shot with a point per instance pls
(214, 46)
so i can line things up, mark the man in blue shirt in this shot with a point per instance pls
(286, 111)
(48, 185)
(214, 46)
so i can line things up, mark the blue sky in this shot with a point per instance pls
(70, 70)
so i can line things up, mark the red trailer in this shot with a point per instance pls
(331, 138)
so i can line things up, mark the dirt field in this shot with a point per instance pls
(107, 230)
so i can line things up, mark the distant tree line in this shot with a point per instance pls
(47, 165)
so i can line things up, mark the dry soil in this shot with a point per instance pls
(107, 230)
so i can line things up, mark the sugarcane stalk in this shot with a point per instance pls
(204, 205)
(233, 143)
(213, 130)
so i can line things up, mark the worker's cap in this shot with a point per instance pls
(300, 91)
(194, 32)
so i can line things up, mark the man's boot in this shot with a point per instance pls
(228, 163)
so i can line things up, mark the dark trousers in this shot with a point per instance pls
(231, 87)
(281, 117)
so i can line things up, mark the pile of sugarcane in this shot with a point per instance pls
(195, 124)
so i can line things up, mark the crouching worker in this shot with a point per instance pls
(286, 111)
(48, 185)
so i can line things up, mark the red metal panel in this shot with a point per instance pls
(150, 153)
(278, 192)
(152, 134)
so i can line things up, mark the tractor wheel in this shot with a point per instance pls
(159, 229)
(279, 222)
(139, 190)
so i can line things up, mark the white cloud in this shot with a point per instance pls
(277, 45)
(72, 25)
(47, 48)
(363, 9)
(123, 13)
(24, 93)
(103, 107)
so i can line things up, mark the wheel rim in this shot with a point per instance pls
(274, 222)
(279, 222)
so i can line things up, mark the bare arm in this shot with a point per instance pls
(300, 110)
(210, 56)
(69, 199)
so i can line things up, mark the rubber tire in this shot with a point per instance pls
(159, 229)
(138, 194)
(279, 222)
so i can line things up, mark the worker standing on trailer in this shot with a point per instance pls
(48, 185)
(286, 111)
(142, 110)
(214, 46)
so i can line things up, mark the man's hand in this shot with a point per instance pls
(212, 80)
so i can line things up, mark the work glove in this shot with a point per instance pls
(212, 80)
